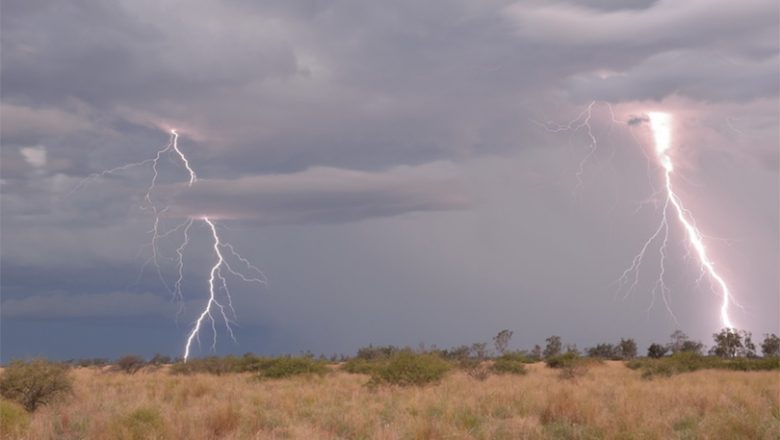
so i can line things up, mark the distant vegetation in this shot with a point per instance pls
(477, 360)
(470, 391)
(262, 367)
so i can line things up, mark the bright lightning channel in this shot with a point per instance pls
(661, 126)
(217, 281)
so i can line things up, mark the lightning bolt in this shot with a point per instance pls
(672, 209)
(217, 283)
(661, 126)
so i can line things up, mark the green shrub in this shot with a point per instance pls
(510, 363)
(34, 383)
(406, 368)
(743, 364)
(14, 420)
(291, 366)
(371, 353)
(664, 369)
(562, 360)
(683, 362)
(130, 364)
(141, 424)
(635, 364)
(571, 364)
(270, 368)
(362, 366)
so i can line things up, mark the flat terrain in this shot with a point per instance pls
(609, 401)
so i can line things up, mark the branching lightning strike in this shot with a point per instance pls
(216, 281)
(661, 126)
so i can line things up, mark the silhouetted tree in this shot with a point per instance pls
(501, 340)
(457, 353)
(730, 343)
(606, 351)
(479, 349)
(682, 344)
(553, 347)
(627, 348)
(536, 353)
(656, 351)
(771, 345)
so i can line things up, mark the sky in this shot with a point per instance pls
(398, 170)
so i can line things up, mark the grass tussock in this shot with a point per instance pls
(14, 420)
(144, 423)
(510, 363)
(609, 402)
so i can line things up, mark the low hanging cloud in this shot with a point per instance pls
(113, 304)
(666, 23)
(325, 195)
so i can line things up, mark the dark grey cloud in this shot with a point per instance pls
(323, 195)
(102, 305)
(707, 76)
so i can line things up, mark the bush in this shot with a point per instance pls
(471, 359)
(406, 368)
(684, 362)
(14, 421)
(604, 351)
(34, 383)
(291, 366)
(362, 366)
(570, 364)
(562, 360)
(131, 363)
(141, 424)
(656, 351)
(510, 363)
(371, 353)
(270, 368)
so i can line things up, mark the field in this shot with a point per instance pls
(609, 401)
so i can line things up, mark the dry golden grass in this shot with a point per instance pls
(609, 401)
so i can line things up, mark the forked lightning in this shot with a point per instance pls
(661, 126)
(217, 283)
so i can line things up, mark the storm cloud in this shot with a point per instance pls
(386, 161)
(321, 195)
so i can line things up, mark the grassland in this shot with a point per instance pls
(609, 401)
